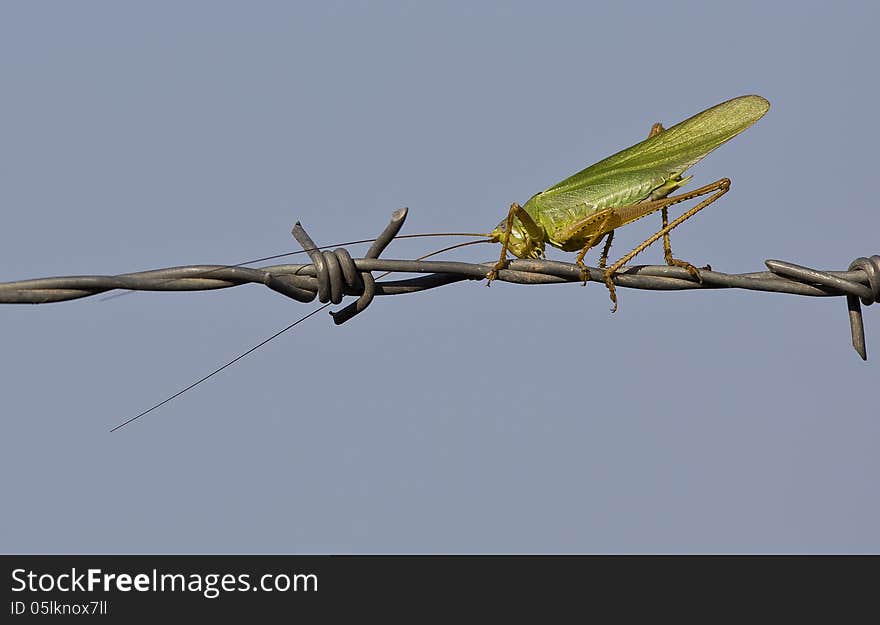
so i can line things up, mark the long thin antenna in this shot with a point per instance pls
(219, 369)
(453, 247)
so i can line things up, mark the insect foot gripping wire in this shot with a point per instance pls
(337, 274)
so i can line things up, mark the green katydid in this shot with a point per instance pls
(578, 212)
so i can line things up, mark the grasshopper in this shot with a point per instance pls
(578, 212)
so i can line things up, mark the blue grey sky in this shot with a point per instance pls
(465, 419)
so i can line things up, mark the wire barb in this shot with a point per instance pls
(333, 275)
(854, 291)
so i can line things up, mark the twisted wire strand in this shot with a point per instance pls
(333, 275)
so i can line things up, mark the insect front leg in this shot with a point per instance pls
(515, 211)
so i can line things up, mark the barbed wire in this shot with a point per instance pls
(332, 275)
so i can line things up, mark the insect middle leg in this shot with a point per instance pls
(599, 232)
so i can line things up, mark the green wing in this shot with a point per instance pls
(671, 152)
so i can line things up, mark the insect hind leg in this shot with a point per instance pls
(717, 189)
(603, 259)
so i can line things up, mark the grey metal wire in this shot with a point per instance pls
(332, 275)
